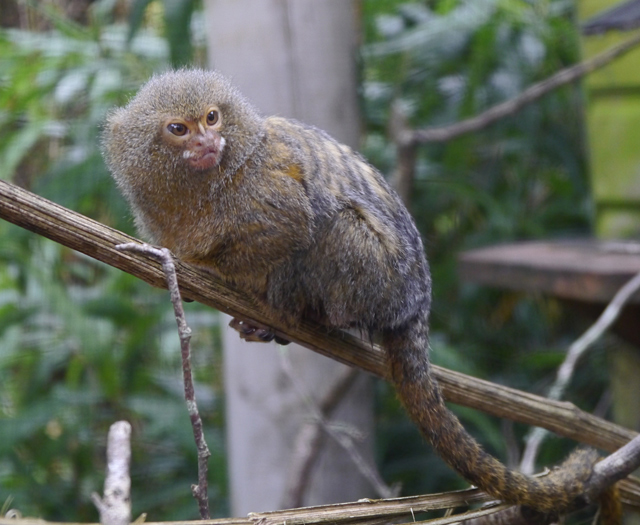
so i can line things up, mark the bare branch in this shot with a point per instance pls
(115, 506)
(368, 510)
(96, 240)
(595, 332)
(184, 332)
(616, 466)
(529, 95)
(576, 351)
(406, 153)
(406, 140)
(306, 449)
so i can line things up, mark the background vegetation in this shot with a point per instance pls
(82, 345)
(523, 178)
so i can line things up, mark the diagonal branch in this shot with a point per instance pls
(611, 313)
(529, 95)
(96, 240)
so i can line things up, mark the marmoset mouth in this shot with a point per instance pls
(209, 158)
(206, 154)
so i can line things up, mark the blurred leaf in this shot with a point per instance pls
(136, 16)
(78, 339)
(18, 147)
(177, 17)
(67, 27)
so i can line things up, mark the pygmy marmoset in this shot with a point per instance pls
(281, 210)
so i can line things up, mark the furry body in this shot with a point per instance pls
(309, 229)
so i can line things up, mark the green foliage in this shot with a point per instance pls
(177, 17)
(82, 344)
(522, 178)
(76, 356)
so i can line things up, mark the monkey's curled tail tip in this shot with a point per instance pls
(561, 491)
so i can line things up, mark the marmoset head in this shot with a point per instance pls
(180, 124)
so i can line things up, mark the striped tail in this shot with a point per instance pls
(557, 493)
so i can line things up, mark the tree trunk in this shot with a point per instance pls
(293, 58)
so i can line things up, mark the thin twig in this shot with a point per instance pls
(115, 506)
(611, 313)
(406, 153)
(308, 442)
(306, 449)
(165, 258)
(344, 439)
(529, 95)
(368, 510)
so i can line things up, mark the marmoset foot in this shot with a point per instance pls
(254, 334)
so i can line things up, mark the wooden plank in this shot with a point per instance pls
(590, 270)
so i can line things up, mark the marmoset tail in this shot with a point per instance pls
(309, 228)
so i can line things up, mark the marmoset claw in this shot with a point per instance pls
(255, 334)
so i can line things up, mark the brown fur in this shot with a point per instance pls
(610, 506)
(310, 229)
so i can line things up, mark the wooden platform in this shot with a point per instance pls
(588, 273)
(591, 271)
